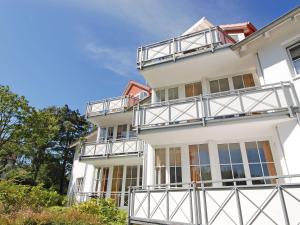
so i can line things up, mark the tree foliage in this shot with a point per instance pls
(34, 144)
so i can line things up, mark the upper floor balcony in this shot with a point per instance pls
(111, 148)
(96, 110)
(182, 46)
(267, 100)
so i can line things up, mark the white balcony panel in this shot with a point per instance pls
(116, 105)
(220, 106)
(117, 148)
(131, 146)
(180, 207)
(185, 111)
(159, 51)
(100, 149)
(140, 205)
(194, 42)
(89, 150)
(97, 107)
(157, 115)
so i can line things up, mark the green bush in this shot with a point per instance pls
(105, 209)
(14, 197)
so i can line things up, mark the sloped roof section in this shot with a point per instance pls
(201, 24)
(138, 85)
(288, 16)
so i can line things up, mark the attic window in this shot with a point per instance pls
(295, 56)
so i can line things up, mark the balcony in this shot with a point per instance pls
(268, 100)
(182, 46)
(275, 203)
(110, 106)
(116, 148)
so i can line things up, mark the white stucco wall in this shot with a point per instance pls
(273, 56)
(289, 133)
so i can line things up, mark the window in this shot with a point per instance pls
(141, 176)
(132, 133)
(295, 56)
(193, 89)
(79, 184)
(116, 189)
(260, 161)
(131, 181)
(160, 165)
(231, 163)
(122, 131)
(175, 165)
(199, 163)
(101, 180)
(173, 93)
(141, 95)
(160, 95)
(243, 81)
(219, 85)
(110, 133)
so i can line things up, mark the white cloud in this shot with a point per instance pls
(119, 61)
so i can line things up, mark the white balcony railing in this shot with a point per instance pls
(203, 109)
(195, 203)
(112, 148)
(182, 46)
(111, 105)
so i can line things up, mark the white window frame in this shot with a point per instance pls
(290, 57)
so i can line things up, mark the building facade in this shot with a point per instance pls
(215, 141)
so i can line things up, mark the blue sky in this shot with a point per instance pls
(57, 52)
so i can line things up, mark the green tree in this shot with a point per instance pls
(14, 110)
(72, 126)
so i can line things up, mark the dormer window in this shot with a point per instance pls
(295, 57)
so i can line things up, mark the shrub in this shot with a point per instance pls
(105, 209)
(14, 197)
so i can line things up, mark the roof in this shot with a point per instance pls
(132, 82)
(201, 24)
(267, 28)
(248, 27)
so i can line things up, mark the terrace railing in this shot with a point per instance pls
(122, 147)
(182, 46)
(196, 203)
(111, 105)
(255, 101)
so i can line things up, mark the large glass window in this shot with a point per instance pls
(110, 133)
(200, 163)
(193, 89)
(173, 93)
(131, 181)
(219, 85)
(160, 165)
(175, 165)
(132, 133)
(295, 56)
(122, 131)
(243, 81)
(101, 180)
(116, 189)
(231, 163)
(160, 95)
(261, 161)
(141, 176)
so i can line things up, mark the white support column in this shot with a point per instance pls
(185, 164)
(150, 166)
(245, 162)
(214, 162)
(205, 86)
(98, 134)
(153, 96)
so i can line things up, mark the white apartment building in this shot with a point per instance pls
(218, 141)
